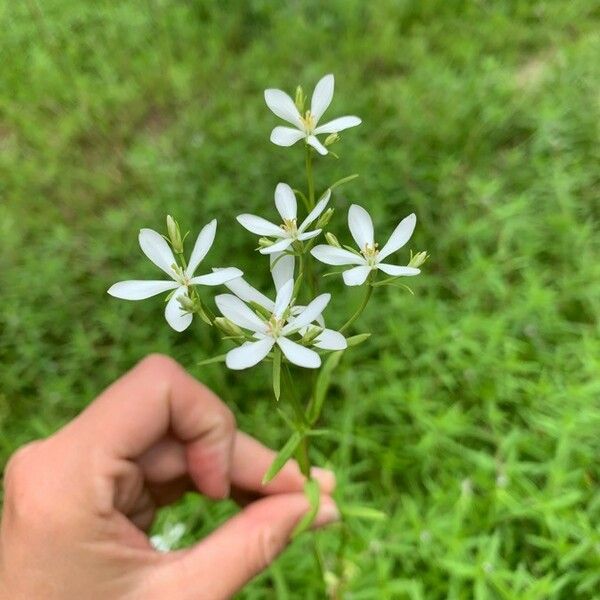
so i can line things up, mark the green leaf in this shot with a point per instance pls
(322, 385)
(313, 493)
(214, 359)
(282, 457)
(343, 180)
(277, 373)
(363, 512)
(355, 340)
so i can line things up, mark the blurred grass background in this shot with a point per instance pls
(473, 417)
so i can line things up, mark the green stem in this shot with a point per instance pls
(360, 309)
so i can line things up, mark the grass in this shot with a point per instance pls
(473, 417)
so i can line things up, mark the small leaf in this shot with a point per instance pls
(355, 340)
(343, 180)
(322, 385)
(277, 373)
(282, 457)
(214, 359)
(363, 512)
(313, 493)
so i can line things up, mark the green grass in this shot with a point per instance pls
(473, 415)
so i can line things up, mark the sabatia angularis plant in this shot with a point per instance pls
(287, 329)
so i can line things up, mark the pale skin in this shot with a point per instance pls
(78, 505)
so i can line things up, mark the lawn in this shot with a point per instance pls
(472, 418)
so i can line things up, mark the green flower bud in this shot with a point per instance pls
(312, 332)
(325, 218)
(174, 235)
(227, 327)
(332, 240)
(300, 99)
(187, 304)
(332, 138)
(264, 242)
(416, 260)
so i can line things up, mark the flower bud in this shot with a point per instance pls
(227, 327)
(332, 240)
(187, 304)
(332, 138)
(300, 99)
(311, 333)
(416, 260)
(264, 242)
(325, 218)
(174, 235)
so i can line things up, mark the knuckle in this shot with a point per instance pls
(19, 466)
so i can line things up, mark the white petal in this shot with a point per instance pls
(299, 355)
(356, 276)
(329, 339)
(282, 268)
(174, 314)
(286, 136)
(285, 201)
(396, 271)
(157, 249)
(218, 276)
(316, 144)
(259, 225)
(297, 309)
(249, 354)
(331, 255)
(338, 124)
(235, 310)
(309, 314)
(243, 290)
(279, 246)
(322, 96)
(204, 241)
(283, 106)
(315, 213)
(284, 297)
(140, 290)
(361, 226)
(400, 236)
(307, 235)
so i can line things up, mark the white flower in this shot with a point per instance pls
(288, 232)
(156, 248)
(305, 126)
(166, 540)
(277, 329)
(370, 257)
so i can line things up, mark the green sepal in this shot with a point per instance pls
(355, 340)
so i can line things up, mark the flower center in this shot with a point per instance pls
(290, 227)
(274, 326)
(309, 122)
(179, 275)
(370, 252)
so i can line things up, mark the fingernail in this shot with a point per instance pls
(325, 477)
(328, 513)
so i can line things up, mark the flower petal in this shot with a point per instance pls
(243, 290)
(316, 144)
(140, 290)
(331, 255)
(217, 277)
(309, 314)
(285, 201)
(283, 106)
(286, 136)
(249, 354)
(237, 311)
(361, 226)
(204, 241)
(299, 355)
(279, 246)
(338, 124)
(259, 226)
(329, 339)
(307, 235)
(322, 96)
(284, 297)
(297, 309)
(315, 213)
(157, 249)
(399, 237)
(356, 276)
(174, 314)
(396, 271)
(282, 268)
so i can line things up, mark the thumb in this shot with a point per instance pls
(232, 555)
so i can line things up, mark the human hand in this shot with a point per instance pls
(77, 505)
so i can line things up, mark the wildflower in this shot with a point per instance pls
(169, 538)
(370, 256)
(277, 328)
(288, 232)
(305, 125)
(156, 248)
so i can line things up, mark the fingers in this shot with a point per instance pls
(155, 398)
(244, 545)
